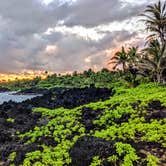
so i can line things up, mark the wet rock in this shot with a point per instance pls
(155, 110)
(4, 137)
(23, 150)
(88, 116)
(70, 98)
(3, 89)
(25, 119)
(144, 148)
(3, 121)
(155, 105)
(124, 118)
(87, 147)
(48, 141)
(32, 91)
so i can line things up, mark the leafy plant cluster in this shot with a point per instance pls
(102, 78)
(124, 151)
(136, 123)
(64, 127)
(10, 120)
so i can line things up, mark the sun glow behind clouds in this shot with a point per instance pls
(47, 2)
(51, 49)
(99, 32)
(80, 31)
(22, 76)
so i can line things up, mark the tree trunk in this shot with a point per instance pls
(124, 66)
(159, 77)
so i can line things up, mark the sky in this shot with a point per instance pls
(67, 35)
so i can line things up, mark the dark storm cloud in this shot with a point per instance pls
(24, 45)
(26, 16)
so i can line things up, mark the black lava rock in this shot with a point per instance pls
(87, 147)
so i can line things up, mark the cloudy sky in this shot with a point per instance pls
(66, 35)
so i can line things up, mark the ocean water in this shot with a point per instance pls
(7, 96)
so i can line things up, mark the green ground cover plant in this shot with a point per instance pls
(125, 119)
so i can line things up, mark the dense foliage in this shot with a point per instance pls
(127, 129)
(103, 78)
(134, 120)
(151, 60)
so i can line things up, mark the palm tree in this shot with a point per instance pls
(133, 55)
(152, 61)
(120, 58)
(156, 20)
(155, 58)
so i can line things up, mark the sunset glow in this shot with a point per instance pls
(66, 35)
(25, 76)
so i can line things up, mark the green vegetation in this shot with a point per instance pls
(96, 161)
(21, 84)
(151, 60)
(103, 78)
(135, 65)
(10, 120)
(152, 160)
(133, 120)
(12, 156)
(64, 128)
(63, 124)
(127, 151)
